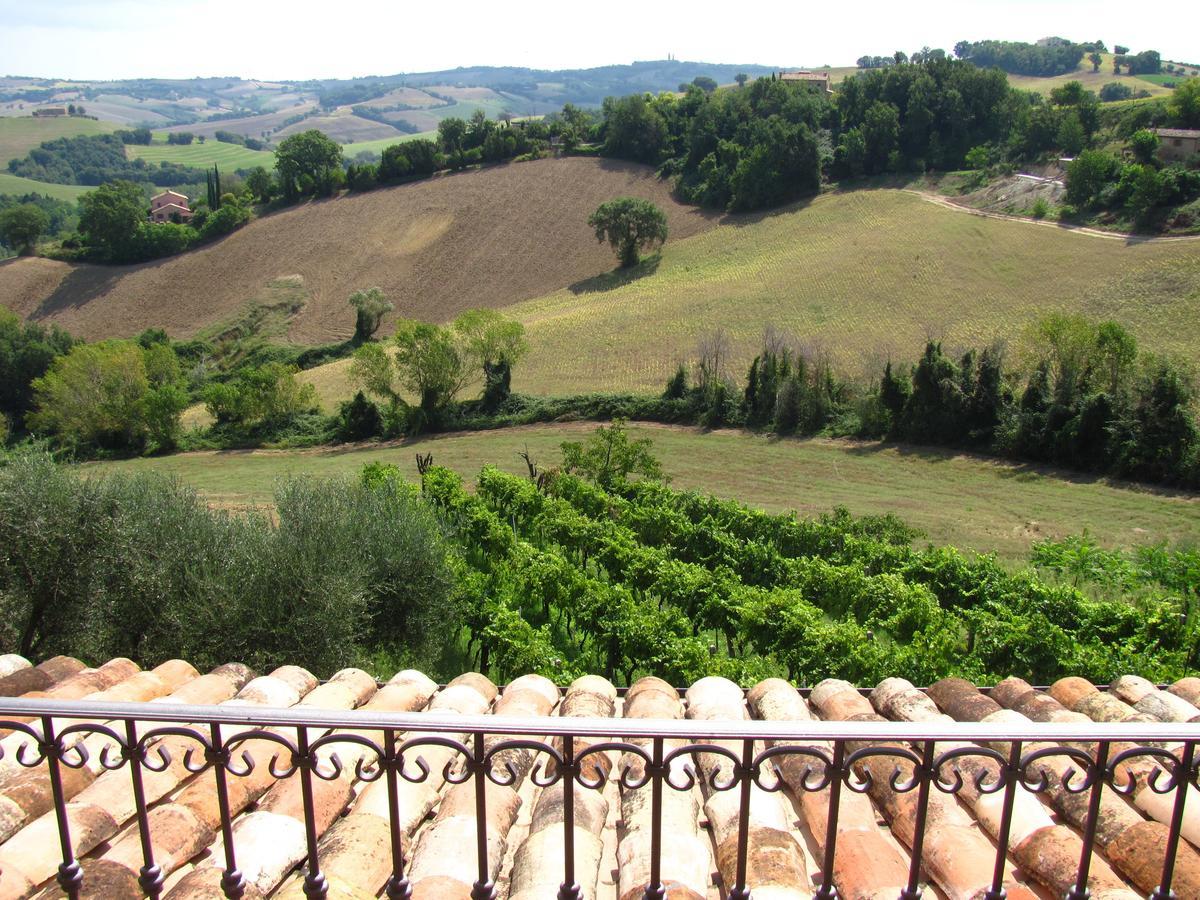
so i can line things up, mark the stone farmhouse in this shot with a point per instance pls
(1178, 144)
(169, 206)
(816, 80)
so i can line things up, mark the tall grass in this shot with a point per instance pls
(138, 565)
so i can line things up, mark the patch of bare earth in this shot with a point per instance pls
(485, 238)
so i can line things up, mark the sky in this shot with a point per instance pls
(298, 39)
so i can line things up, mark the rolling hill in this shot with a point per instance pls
(491, 237)
(861, 276)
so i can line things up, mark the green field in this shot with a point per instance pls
(13, 184)
(1164, 79)
(349, 150)
(961, 500)
(20, 134)
(212, 152)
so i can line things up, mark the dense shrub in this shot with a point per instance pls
(139, 566)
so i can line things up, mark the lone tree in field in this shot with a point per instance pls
(370, 307)
(629, 225)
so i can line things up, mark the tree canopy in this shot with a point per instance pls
(21, 226)
(307, 163)
(630, 225)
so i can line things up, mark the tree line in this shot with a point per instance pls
(1084, 396)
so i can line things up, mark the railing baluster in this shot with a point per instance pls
(925, 774)
(741, 890)
(655, 889)
(1013, 779)
(1080, 890)
(70, 875)
(233, 883)
(827, 890)
(1183, 774)
(315, 885)
(398, 886)
(150, 878)
(484, 888)
(570, 889)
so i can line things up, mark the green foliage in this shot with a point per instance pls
(1088, 174)
(1114, 91)
(26, 351)
(359, 419)
(111, 215)
(95, 159)
(308, 163)
(630, 225)
(113, 395)
(21, 226)
(141, 567)
(609, 456)
(1184, 104)
(230, 216)
(1017, 58)
(638, 578)
(1144, 144)
(634, 129)
(260, 394)
(435, 363)
(410, 159)
(258, 180)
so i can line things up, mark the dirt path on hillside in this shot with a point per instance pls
(946, 203)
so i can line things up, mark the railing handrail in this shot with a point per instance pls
(683, 729)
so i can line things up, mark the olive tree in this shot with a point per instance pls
(630, 225)
(370, 307)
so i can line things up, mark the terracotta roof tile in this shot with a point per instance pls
(875, 830)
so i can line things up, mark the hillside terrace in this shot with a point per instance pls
(119, 782)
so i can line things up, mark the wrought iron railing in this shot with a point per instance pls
(748, 755)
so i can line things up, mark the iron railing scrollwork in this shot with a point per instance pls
(664, 755)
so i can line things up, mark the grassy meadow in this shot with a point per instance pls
(966, 501)
(20, 134)
(212, 152)
(14, 184)
(378, 146)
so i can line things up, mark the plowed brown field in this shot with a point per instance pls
(482, 238)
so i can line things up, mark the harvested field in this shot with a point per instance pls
(404, 96)
(491, 237)
(342, 126)
(251, 126)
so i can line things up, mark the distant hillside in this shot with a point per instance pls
(260, 108)
(479, 238)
